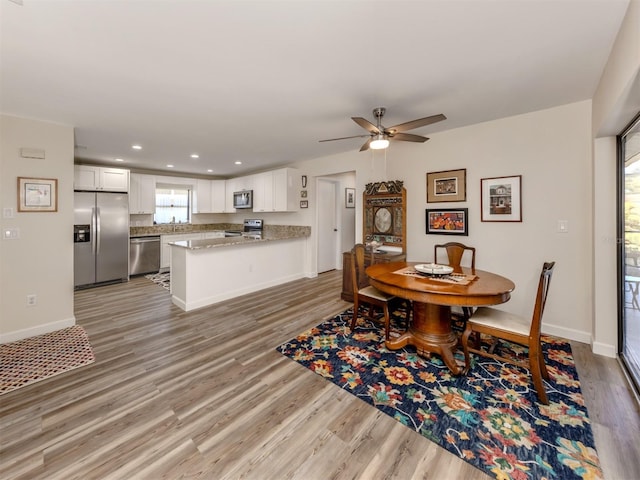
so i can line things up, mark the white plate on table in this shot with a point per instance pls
(433, 269)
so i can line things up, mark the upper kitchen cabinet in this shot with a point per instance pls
(218, 196)
(92, 178)
(209, 196)
(202, 196)
(274, 191)
(142, 194)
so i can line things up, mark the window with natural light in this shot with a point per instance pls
(172, 205)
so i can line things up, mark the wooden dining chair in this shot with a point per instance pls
(455, 254)
(499, 324)
(363, 293)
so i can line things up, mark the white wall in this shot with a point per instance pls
(40, 262)
(551, 149)
(615, 103)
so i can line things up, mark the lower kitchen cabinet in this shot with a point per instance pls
(165, 250)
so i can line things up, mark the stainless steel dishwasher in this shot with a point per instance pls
(144, 255)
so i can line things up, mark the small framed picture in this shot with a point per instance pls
(303, 193)
(501, 199)
(450, 221)
(304, 204)
(447, 186)
(350, 198)
(37, 194)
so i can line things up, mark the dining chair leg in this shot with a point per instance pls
(354, 317)
(536, 373)
(385, 311)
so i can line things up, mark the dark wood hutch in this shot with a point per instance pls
(384, 222)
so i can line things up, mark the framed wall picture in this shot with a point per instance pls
(501, 199)
(304, 204)
(37, 194)
(448, 221)
(350, 198)
(447, 186)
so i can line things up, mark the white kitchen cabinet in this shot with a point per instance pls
(165, 248)
(89, 177)
(142, 194)
(263, 192)
(209, 196)
(274, 191)
(230, 187)
(202, 196)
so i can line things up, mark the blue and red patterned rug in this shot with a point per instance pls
(490, 418)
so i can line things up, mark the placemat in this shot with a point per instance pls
(455, 278)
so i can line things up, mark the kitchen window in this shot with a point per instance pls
(173, 205)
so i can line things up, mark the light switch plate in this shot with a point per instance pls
(7, 212)
(563, 226)
(12, 233)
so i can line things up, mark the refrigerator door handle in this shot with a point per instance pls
(97, 235)
(93, 230)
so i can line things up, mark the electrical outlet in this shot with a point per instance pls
(31, 299)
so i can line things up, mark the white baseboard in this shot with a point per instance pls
(604, 349)
(37, 330)
(568, 333)
(580, 336)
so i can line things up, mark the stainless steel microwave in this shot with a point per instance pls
(243, 199)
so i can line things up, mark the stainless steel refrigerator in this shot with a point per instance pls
(101, 237)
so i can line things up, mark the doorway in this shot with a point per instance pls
(629, 225)
(327, 225)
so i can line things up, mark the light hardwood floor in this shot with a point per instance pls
(205, 395)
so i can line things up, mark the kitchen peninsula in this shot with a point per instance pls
(208, 271)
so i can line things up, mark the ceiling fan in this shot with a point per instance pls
(379, 136)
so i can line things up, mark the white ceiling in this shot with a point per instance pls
(262, 81)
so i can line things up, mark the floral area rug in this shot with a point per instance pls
(489, 418)
(162, 279)
(33, 359)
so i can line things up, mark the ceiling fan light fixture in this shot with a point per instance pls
(379, 143)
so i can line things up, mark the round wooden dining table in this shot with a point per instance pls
(432, 298)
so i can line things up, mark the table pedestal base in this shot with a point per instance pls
(430, 331)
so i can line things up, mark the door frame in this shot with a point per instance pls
(338, 220)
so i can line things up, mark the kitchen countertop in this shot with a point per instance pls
(278, 231)
(181, 228)
(267, 236)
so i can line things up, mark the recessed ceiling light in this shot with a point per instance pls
(169, 166)
(209, 170)
(136, 147)
(119, 160)
(238, 162)
(195, 155)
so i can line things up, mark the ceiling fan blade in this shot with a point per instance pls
(408, 137)
(421, 122)
(366, 124)
(342, 138)
(366, 145)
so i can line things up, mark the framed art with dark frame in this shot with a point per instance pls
(350, 198)
(447, 186)
(501, 199)
(37, 194)
(447, 221)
